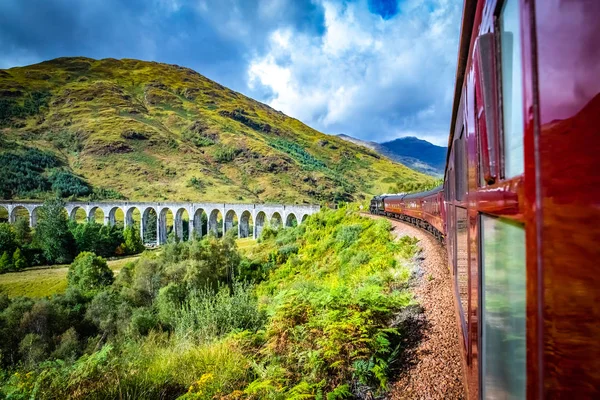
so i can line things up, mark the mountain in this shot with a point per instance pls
(140, 130)
(415, 153)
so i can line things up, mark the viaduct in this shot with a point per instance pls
(251, 218)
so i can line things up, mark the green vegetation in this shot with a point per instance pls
(140, 130)
(56, 240)
(306, 313)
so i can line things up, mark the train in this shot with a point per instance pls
(519, 208)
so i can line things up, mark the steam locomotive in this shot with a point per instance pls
(519, 209)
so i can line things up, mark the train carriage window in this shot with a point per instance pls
(460, 165)
(462, 264)
(512, 88)
(503, 299)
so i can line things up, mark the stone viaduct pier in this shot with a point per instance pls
(250, 218)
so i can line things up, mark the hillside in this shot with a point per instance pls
(415, 153)
(147, 131)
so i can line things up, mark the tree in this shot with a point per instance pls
(96, 238)
(133, 243)
(5, 262)
(89, 272)
(19, 262)
(22, 231)
(52, 233)
(8, 242)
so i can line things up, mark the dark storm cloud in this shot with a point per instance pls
(214, 37)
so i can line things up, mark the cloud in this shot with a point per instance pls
(374, 69)
(366, 76)
(218, 38)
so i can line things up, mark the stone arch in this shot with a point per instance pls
(149, 231)
(116, 216)
(133, 215)
(94, 215)
(34, 215)
(246, 225)
(20, 212)
(182, 224)
(78, 215)
(261, 219)
(304, 217)
(200, 223)
(291, 220)
(231, 221)
(4, 215)
(213, 222)
(166, 219)
(276, 221)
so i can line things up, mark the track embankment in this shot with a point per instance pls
(434, 367)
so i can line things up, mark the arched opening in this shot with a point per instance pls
(165, 225)
(3, 214)
(231, 221)
(116, 217)
(260, 223)
(246, 225)
(182, 224)
(19, 212)
(133, 217)
(304, 217)
(200, 223)
(78, 215)
(149, 224)
(96, 215)
(276, 221)
(291, 220)
(215, 223)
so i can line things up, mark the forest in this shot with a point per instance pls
(313, 311)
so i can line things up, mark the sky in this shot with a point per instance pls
(372, 69)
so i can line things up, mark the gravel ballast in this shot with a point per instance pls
(434, 367)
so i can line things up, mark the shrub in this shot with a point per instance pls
(225, 154)
(19, 262)
(89, 272)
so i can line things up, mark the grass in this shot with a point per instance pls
(47, 280)
(123, 124)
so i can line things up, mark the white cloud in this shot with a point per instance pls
(367, 77)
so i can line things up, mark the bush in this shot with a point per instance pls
(89, 272)
(19, 262)
(225, 154)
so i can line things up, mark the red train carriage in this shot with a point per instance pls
(521, 198)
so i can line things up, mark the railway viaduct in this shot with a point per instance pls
(251, 218)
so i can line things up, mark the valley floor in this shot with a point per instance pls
(46, 280)
(435, 370)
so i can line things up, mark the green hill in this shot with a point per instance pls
(147, 131)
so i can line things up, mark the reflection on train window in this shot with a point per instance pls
(460, 164)
(462, 262)
(512, 88)
(503, 299)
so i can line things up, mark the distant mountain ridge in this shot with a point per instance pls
(413, 152)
